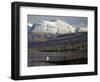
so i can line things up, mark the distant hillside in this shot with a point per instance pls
(63, 42)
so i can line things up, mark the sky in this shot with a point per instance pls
(75, 21)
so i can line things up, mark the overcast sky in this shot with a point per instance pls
(76, 21)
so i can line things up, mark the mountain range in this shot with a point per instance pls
(54, 27)
(53, 33)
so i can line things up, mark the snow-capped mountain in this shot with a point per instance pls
(55, 27)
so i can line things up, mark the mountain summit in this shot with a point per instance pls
(55, 27)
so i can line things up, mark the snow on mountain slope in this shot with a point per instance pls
(30, 25)
(83, 30)
(56, 27)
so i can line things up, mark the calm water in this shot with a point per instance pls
(57, 58)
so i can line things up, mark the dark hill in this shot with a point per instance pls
(66, 39)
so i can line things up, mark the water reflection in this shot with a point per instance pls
(57, 58)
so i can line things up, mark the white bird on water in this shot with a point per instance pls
(47, 58)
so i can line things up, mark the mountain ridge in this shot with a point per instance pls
(65, 39)
(55, 27)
